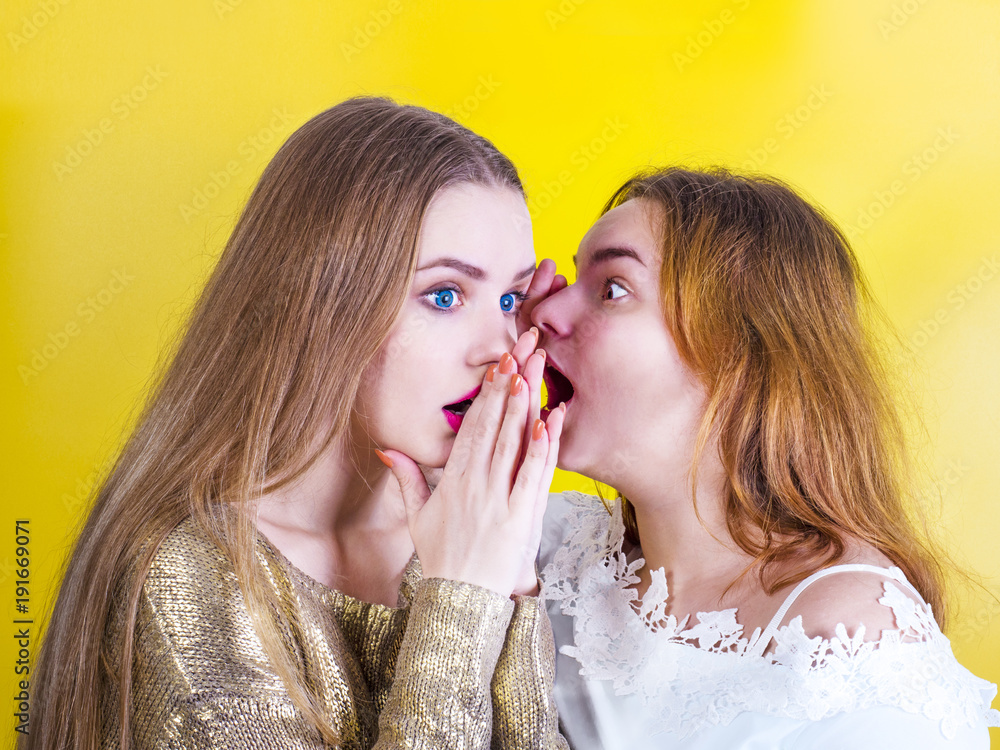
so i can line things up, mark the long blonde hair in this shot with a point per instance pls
(767, 304)
(264, 378)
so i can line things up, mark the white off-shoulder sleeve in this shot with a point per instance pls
(705, 685)
(886, 728)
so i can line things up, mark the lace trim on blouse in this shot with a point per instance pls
(695, 675)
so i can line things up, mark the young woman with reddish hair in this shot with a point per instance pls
(762, 581)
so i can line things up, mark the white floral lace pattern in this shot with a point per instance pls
(694, 675)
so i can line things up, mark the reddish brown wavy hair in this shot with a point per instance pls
(766, 303)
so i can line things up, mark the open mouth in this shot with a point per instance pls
(456, 411)
(459, 407)
(560, 390)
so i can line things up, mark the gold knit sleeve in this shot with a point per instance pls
(200, 678)
(440, 695)
(524, 709)
(234, 721)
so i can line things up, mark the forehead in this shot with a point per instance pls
(481, 224)
(631, 225)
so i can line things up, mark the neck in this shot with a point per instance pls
(343, 493)
(343, 523)
(692, 546)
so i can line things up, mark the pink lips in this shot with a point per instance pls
(455, 420)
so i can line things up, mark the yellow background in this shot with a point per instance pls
(115, 117)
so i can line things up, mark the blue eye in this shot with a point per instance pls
(509, 301)
(443, 298)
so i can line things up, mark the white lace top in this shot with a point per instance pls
(703, 684)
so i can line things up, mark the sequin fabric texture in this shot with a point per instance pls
(453, 666)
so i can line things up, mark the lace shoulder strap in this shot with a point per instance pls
(758, 647)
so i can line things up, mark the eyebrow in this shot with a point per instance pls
(609, 253)
(473, 272)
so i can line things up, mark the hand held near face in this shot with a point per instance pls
(482, 523)
(544, 283)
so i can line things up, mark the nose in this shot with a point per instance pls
(492, 335)
(553, 316)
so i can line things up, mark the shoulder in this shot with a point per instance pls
(860, 597)
(194, 646)
(860, 630)
(190, 574)
(193, 628)
(853, 599)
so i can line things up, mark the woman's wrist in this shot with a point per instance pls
(527, 586)
(533, 592)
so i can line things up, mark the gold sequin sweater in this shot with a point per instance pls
(453, 666)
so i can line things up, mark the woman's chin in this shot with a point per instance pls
(570, 458)
(428, 454)
(590, 462)
(435, 457)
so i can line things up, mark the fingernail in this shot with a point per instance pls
(534, 331)
(538, 430)
(540, 352)
(515, 385)
(383, 458)
(490, 372)
(506, 364)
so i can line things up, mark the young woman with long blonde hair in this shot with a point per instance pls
(765, 584)
(247, 577)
